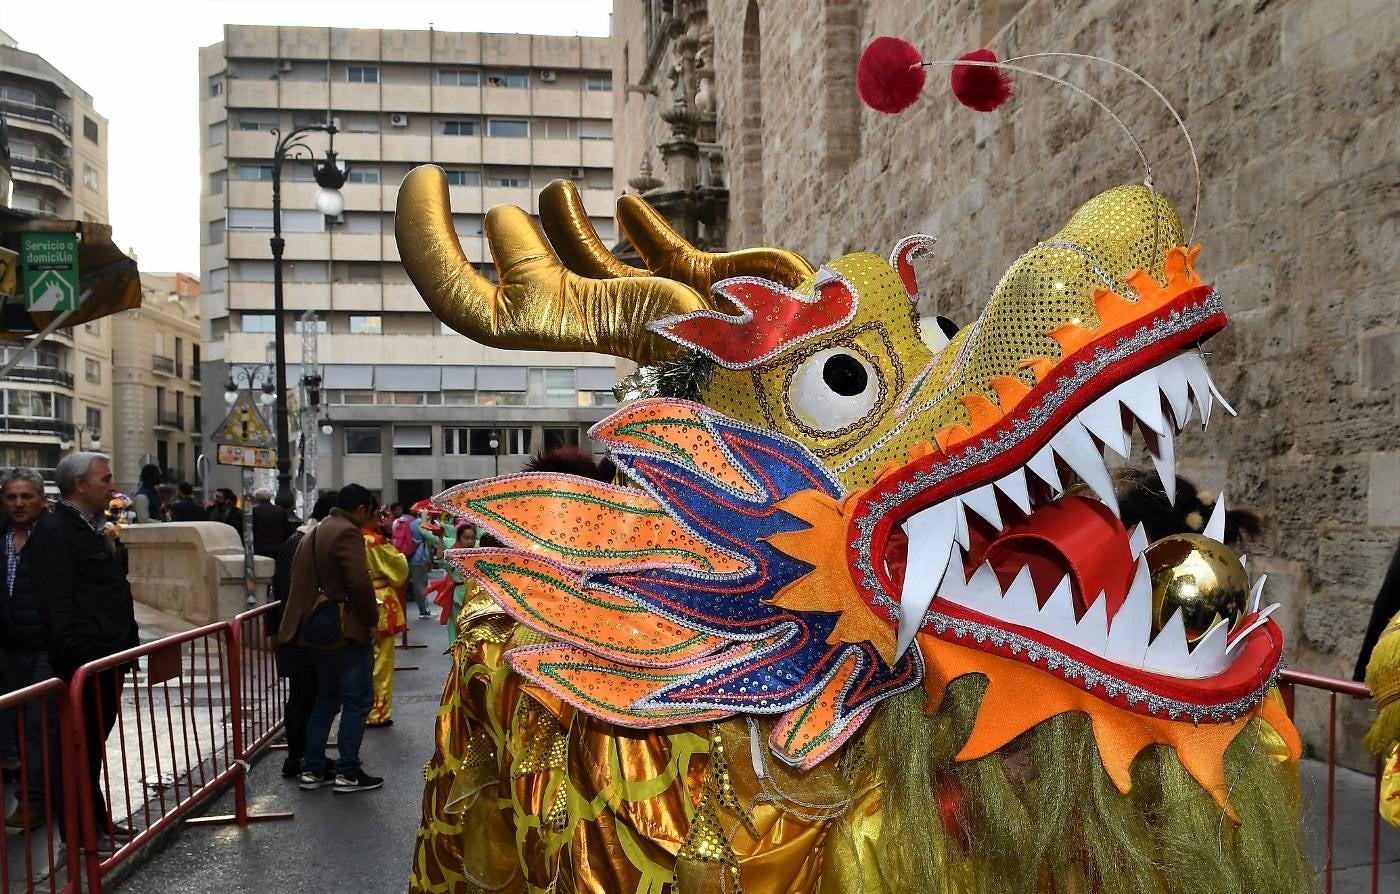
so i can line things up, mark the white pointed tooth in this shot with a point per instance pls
(983, 501)
(1244, 561)
(960, 524)
(1256, 592)
(1171, 378)
(1016, 489)
(1043, 465)
(1140, 395)
(1019, 605)
(1132, 623)
(1137, 540)
(1238, 640)
(1215, 528)
(1104, 419)
(1057, 615)
(984, 591)
(1220, 398)
(1162, 447)
(1091, 633)
(1169, 652)
(1199, 377)
(1208, 654)
(1073, 444)
(930, 544)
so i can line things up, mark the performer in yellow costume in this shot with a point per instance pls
(864, 616)
(389, 570)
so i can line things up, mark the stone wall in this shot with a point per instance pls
(1292, 104)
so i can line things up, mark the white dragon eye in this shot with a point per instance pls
(834, 389)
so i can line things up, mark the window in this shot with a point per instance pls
(477, 441)
(216, 133)
(216, 85)
(90, 177)
(250, 219)
(252, 271)
(306, 325)
(505, 181)
(460, 177)
(413, 440)
(362, 175)
(459, 127)
(92, 370)
(355, 398)
(356, 271)
(259, 323)
(556, 128)
(597, 399)
(459, 77)
(297, 220)
(307, 271)
(362, 441)
(216, 231)
(366, 325)
(552, 388)
(216, 183)
(257, 120)
(255, 172)
(554, 438)
(90, 129)
(507, 127)
(194, 372)
(363, 223)
(362, 74)
(598, 83)
(595, 129)
(501, 79)
(362, 123)
(94, 420)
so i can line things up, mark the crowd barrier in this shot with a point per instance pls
(200, 706)
(1289, 684)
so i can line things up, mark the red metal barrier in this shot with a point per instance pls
(45, 809)
(1289, 683)
(263, 691)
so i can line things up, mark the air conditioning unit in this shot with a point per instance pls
(575, 173)
(284, 65)
(398, 119)
(548, 76)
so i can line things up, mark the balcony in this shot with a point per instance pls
(43, 167)
(10, 108)
(162, 364)
(26, 425)
(169, 419)
(47, 374)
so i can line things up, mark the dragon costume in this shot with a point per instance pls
(860, 615)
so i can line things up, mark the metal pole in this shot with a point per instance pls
(284, 455)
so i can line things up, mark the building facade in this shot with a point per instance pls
(1294, 113)
(60, 397)
(412, 406)
(156, 381)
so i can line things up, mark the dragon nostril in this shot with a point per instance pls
(845, 375)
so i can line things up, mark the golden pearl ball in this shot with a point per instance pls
(1201, 577)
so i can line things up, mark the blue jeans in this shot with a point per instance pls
(344, 685)
(418, 584)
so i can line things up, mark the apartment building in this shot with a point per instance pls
(156, 380)
(60, 396)
(412, 406)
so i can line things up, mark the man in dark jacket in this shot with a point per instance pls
(84, 600)
(272, 524)
(22, 657)
(224, 508)
(185, 508)
(332, 560)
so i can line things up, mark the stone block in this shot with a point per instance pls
(1380, 362)
(191, 569)
(1383, 491)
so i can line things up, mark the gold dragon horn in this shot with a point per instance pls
(573, 238)
(539, 305)
(668, 255)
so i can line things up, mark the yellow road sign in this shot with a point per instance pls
(244, 426)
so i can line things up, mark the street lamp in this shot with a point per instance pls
(496, 454)
(75, 431)
(330, 177)
(254, 376)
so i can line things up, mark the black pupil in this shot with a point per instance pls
(844, 375)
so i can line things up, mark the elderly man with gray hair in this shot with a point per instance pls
(85, 601)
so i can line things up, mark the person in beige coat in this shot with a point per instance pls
(331, 560)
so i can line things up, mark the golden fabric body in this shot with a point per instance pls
(388, 570)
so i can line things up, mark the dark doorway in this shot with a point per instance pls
(411, 490)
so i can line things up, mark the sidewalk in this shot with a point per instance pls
(358, 842)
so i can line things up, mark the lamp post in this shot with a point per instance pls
(74, 434)
(254, 376)
(495, 452)
(330, 177)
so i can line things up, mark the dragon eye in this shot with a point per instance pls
(833, 389)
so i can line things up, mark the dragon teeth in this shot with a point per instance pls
(1016, 489)
(1132, 623)
(1256, 592)
(983, 501)
(1162, 448)
(1043, 465)
(1238, 639)
(1209, 655)
(933, 530)
(1104, 421)
(1137, 540)
(1073, 445)
(1215, 528)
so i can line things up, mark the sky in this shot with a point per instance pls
(140, 61)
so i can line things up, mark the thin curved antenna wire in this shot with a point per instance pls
(1190, 144)
(1137, 146)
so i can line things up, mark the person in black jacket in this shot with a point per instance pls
(272, 524)
(293, 661)
(185, 508)
(84, 600)
(22, 648)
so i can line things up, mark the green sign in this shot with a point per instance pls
(50, 271)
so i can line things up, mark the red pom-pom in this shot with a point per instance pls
(980, 87)
(890, 75)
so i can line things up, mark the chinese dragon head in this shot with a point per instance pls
(860, 612)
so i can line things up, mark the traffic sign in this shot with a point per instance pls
(50, 271)
(9, 272)
(244, 426)
(248, 457)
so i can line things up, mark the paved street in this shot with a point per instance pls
(360, 842)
